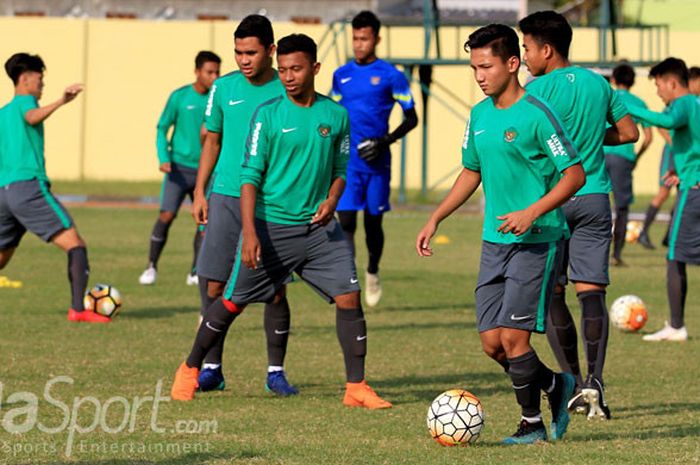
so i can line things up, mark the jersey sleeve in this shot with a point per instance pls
(335, 89)
(27, 103)
(470, 159)
(675, 116)
(342, 149)
(213, 115)
(616, 108)
(555, 141)
(256, 149)
(167, 119)
(401, 91)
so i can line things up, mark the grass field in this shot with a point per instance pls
(422, 337)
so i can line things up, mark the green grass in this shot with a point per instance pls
(423, 341)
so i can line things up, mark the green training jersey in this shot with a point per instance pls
(683, 116)
(292, 156)
(232, 102)
(584, 101)
(21, 144)
(520, 152)
(185, 113)
(627, 151)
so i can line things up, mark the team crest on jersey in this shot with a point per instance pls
(510, 134)
(375, 80)
(324, 130)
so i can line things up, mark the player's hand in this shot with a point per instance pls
(251, 252)
(423, 240)
(71, 92)
(671, 179)
(517, 222)
(200, 209)
(325, 212)
(371, 149)
(166, 167)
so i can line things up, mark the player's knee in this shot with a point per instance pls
(215, 289)
(280, 295)
(350, 300)
(166, 217)
(493, 350)
(514, 341)
(559, 289)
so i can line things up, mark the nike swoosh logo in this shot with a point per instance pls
(285, 130)
(361, 338)
(211, 327)
(520, 318)
(235, 102)
(476, 133)
(277, 331)
(344, 80)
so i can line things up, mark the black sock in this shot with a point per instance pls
(374, 238)
(159, 236)
(78, 273)
(348, 222)
(352, 335)
(562, 337)
(197, 244)
(217, 320)
(529, 375)
(677, 289)
(594, 329)
(621, 217)
(649, 218)
(277, 324)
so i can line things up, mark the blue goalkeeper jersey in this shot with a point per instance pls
(368, 92)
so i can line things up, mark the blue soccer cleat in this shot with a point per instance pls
(277, 384)
(528, 433)
(564, 388)
(211, 379)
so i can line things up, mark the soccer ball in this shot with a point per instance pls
(455, 418)
(628, 313)
(634, 229)
(103, 299)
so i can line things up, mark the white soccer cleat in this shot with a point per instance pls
(192, 280)
(373, 289)
(148, 276)
(668, 333)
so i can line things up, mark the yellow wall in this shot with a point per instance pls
(130, 67)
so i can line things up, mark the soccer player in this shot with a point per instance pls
(570, 90)
(683, 116)
(292, 176)
(515, 135)
(232, 101)
(179, 157)
(26, 201)
(620, 160)
(368, 88)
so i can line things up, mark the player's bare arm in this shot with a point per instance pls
(326, 210)
(207, 161)
(622, 131)
(38, 115)
(461, 191)
(250, 247)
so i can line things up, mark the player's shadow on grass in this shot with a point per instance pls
(153, 313)
(188, 459)
(423, 388)
(656, 409)
(655, 432)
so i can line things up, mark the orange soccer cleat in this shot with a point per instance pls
(361, 395)
(87, 316)
(185, 383)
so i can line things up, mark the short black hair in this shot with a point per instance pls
(20, 63)
(206, 56)
(256, 26)
(297, 43)
(694, 72)
(548, 27)
(502, 40)
(624, 74)
(671, 66)
(366, 19)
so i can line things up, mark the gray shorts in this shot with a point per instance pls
(620, 171)
(176, 185)
(320, 255)
(684, 237)
(30, 205)
(221, 234)
(586, 252)
(515, 285)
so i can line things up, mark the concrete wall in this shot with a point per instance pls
(130, 67)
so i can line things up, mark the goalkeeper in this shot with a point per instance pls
(368, 88)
